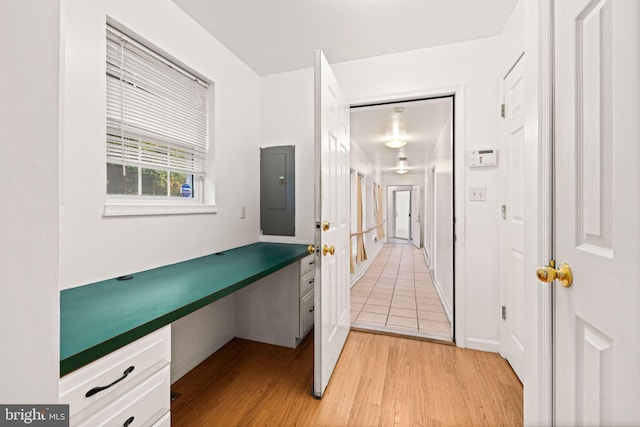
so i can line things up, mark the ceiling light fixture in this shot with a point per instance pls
(401, 166)
(395, 140)
(395, 143)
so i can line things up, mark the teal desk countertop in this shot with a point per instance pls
(99, 318)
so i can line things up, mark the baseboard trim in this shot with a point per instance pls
(427, 259)
(370, 259)
(483, 345)
(445, 305)
(178, 371)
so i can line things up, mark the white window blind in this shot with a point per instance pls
(156, 111)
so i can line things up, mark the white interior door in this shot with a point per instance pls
(402, 202)
(415, 216)
(597, 211)
(512, 340)
(332, 313)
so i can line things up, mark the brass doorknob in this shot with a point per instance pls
(326, 225)
(311, 249)
(549, 274)
(328, 250)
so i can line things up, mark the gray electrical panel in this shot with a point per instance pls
(278, 191)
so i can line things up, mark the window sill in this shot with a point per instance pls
(133, 209)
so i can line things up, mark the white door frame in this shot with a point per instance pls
(459, 184)
(416, 217)
(538, 363)
(391, 207)
(429, 214)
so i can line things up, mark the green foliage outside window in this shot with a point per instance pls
(152, 182)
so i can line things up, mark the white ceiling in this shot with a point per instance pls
(419, 124)
(274, 36)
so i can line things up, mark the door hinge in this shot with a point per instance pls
(503, 211)
(502, 110)
(504, 313)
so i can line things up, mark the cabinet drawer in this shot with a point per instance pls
(306, 314)
(145, 355)
(141, 406)
(306, 282)
(307, 264)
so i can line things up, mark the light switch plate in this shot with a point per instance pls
(477, 194)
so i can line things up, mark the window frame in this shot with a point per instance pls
(202, 200)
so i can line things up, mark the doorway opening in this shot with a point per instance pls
(406, 286)
(402, 214)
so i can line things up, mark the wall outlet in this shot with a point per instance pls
(243, 212)
(478, 194)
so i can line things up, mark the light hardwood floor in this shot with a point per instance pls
(379, 381)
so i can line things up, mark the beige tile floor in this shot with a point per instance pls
(396, 295)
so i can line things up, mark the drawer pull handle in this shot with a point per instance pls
(99, 389)
(311, 309)
(312, 262)
(128, 422)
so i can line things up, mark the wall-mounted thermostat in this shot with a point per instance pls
(480, 158)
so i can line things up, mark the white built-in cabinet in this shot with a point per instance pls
(278, 309)
(130, 386)
(307, 279)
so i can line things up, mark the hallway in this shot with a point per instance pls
(397, 295)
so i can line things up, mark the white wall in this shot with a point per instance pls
(473, 68)
(527, 30)
(363, 164)
(512, 39)
(77, 245)
(29, 309)
(199, 334)
(93, 247)
(440, 214)
(287, 119)
(429, 214)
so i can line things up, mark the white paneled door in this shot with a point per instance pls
(597, 211)
(332, 311)
(402, 207)
(512, 342)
